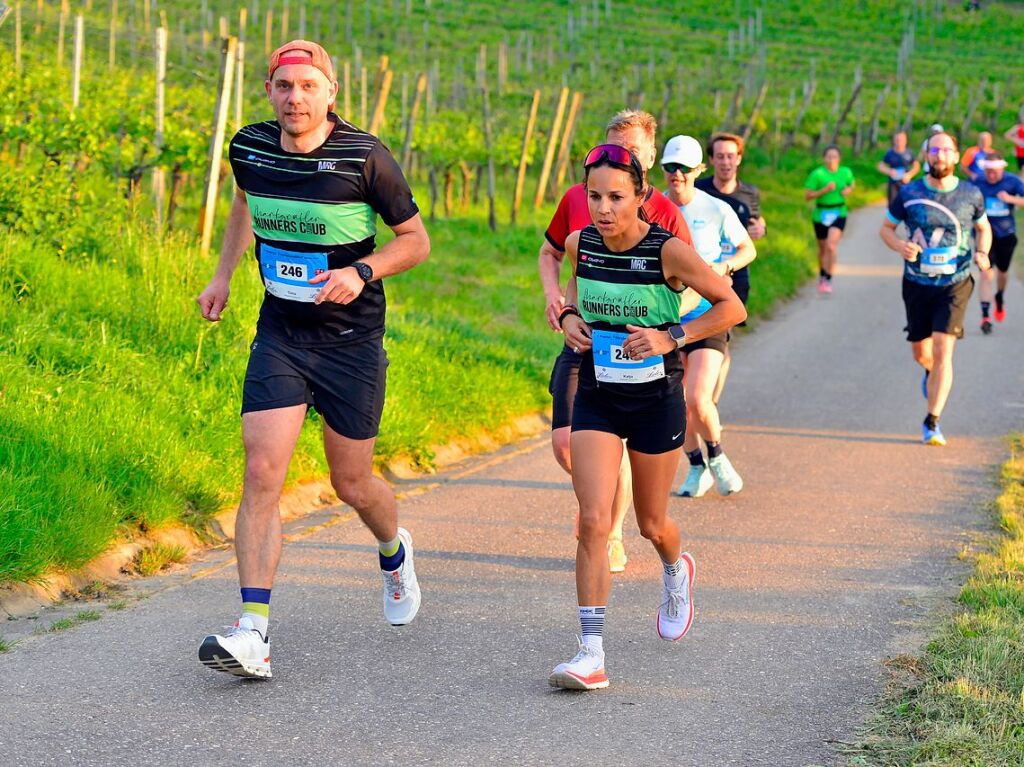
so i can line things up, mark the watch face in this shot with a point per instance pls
(365, 272)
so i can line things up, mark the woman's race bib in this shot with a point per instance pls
(938, 261)
(613, 365)
(829, 217)
(287, 273)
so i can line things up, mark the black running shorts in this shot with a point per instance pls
(649, 425)
(562, 387)
(1002, 251)
(719, 343)
(936, 308)
(344, 384)
(821, 231)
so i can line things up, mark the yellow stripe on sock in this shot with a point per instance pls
(389, 549)
(256, 608)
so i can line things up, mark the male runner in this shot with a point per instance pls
(310, 188)
(725, 153)
(899, 165)
(1003, 194)
(711, 222)
(1015, 135)
(636, 131)
(939, 211)
(971, 160)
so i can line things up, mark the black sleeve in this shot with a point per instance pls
(387, 191)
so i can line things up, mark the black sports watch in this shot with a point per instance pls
(365, 270)
(678, 335)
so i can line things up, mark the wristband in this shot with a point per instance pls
(568, 309)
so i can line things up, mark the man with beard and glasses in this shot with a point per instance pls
(939, 211)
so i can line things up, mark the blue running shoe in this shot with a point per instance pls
(924, 385)
(932, 436)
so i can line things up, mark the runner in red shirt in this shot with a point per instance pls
(634, 130)
(1016, 135)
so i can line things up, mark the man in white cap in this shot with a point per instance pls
(1003, 193)
(712, 222)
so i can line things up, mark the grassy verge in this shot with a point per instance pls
(962, 703)
(120, 405)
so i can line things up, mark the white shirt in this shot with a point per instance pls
(712, 222)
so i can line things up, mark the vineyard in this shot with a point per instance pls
(118, 406)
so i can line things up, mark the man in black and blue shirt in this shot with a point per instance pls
(310, 189)
(1003, 193)
(940, 212)
(899, 165)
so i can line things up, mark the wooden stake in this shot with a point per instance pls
(566, 149)
(222, 27)
(524, 155)
(382, 99)
(239, 82)
(243, 18)
(61, 24)
(17, 37)
(410, 125)
(284, 23)
(549, 155)
(112, 47)
(220, 118)
(755, 112)
(362, 97)
(76, 79)
(158, 115)
(492, 220)
(268, 32)
(347, 84)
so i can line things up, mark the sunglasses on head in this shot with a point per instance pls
(672, 167)
(615, 155)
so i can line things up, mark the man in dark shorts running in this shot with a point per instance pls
(1003, 193)
(636, 131)
(899, 165)
(939, 212)
(310, 189)
(725, 154)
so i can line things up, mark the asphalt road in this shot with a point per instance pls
(840, 552)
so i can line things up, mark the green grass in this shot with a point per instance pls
(63, 624)
(962, 703)
(5, 646)
(153, 559)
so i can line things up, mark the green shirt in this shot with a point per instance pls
(833, 202)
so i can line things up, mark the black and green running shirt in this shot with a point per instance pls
(313, 212)
(618, 289)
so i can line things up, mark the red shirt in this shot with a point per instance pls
(573, 214)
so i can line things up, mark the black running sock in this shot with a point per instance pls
(822, 273)
(714, 449)
(931, 421)
(696, 458)
(828, 276)
(985, 306)
(999, 301)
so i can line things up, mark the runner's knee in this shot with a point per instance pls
(594, 527)
(560, 447)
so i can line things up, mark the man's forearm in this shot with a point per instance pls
(549, 266)
(237, 238)
(407, 250)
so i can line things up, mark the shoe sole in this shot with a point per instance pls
(692, 566)
(933, 442)
(565, 680)
(407, 542)
(213, 655)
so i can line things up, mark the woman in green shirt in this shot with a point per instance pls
(828, 185)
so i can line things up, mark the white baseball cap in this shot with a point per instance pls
(937, 128)
(684, 150)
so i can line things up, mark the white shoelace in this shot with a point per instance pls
(675, 599)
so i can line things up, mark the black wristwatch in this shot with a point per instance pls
(365, 270)
(678, 335)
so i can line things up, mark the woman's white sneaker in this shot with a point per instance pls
(401, 589)
(242, 651)
(584, 672)
(698, 481)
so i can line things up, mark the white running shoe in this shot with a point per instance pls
(584, 672)
(675, 615)
(401, 589)
(242, 651)
(726, 477)
(698, 482)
